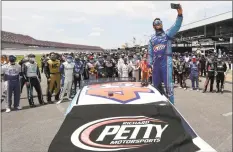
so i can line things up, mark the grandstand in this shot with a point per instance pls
(13, 41)
(211, 33)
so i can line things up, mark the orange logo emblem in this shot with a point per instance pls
(122, 92)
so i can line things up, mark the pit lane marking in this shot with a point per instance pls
(227, 114)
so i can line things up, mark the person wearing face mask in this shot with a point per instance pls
(124, 69)
(135, 66)
(78, 72)
(31, 74)
(53, 75)
(194, 74)
(101, 69)
(221, 69)
(211, 67)
(67, 70)
(160, 54)
(12, 72)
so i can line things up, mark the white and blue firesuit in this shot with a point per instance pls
(11, 74)
(160, 56)
(66, 70)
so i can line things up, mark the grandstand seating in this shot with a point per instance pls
(27, 40)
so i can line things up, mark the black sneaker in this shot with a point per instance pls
(43, 103)
(50, 102)
(32, 105)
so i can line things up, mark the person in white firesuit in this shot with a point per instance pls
(119, 63)
(67, 70)
(135, 66)
(124, 69)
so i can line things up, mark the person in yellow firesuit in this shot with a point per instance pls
(145, 70)
(52, 72)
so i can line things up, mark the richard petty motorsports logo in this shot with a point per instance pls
(122, 92)
(119, 133)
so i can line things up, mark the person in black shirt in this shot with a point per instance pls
(210, 66)
(22, 79)
(221, 69)
(203, 65)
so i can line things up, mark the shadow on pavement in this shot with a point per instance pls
(37, 105)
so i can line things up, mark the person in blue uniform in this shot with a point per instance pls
(160, 54)
(78, 72)
(194, 73)
(11, 72)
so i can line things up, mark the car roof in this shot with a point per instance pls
(123, 93)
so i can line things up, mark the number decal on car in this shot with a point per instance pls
(122, 92)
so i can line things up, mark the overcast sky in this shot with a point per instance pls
(107, 24)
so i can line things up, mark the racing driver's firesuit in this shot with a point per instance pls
(160, 54)
(52, 72)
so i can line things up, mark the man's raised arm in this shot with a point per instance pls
(176, 27)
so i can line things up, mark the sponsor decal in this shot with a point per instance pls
(119, 133)
(122, 92)
(159, 47)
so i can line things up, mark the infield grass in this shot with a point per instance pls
(38, 56)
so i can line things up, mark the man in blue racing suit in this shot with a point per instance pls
(160, 54)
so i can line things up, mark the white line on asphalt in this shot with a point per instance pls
(227, 114)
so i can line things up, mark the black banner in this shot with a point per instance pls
(122, 128)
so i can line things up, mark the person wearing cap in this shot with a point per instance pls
(160, 54)
(194, 74)
(31, 74)
(12, 72)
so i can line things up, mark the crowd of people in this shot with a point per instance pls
(65, 72)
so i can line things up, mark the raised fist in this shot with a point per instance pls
(180, 10)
